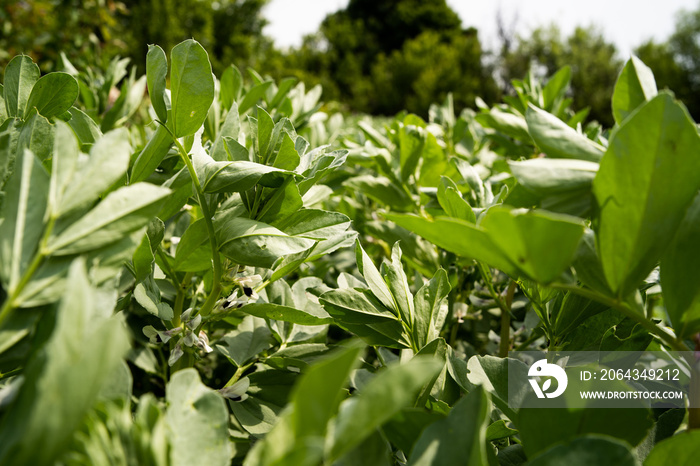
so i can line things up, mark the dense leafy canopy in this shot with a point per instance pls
(234, 276)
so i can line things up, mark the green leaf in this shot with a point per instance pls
(634, 86)
(145, 254)
(374, 279)
(197, 422)
(680, 275)
(411, 144)
(589, 268)
(84, 127)
(249, 339)
(404, 429)
(122, 211)
(314, 223)
(391, 390)
(316, 164)
(53, 94)
(355, 307)
(492, 373)
(287, 157)
(381, 190)
(64, 162)
(556, 87)
(458, 439)
(430, 313)
(152, 154)
(230, 129)
(546, 176)
(3, 108)
(192, 87)
(268, 394)
(252, 97)
(574, 310)
(314, 401)
(264, 134)
(23, 218)
(457, 236)
(498, 431)
(587, 450)
(452, 203)
(513, 125)
(517, 242)
(20, 76)
(147, 295)
(542, 428)
(37, 136)
(9, 134)
(541, 244)
(395, 278)
(83, 346)
(193, 238)
(109, 160)
(559, 140)
(156, 70)
(237, 176)
(231, 82)
(639, 213)
(307, 316)
(254, 243)
(681, 450)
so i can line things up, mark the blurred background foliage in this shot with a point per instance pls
(374, 56)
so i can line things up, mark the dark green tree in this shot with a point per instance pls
(91, 32)
(87, 31)
(231, 30)
(386, 55)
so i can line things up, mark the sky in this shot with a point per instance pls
(627, 23)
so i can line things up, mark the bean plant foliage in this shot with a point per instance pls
(225, 274)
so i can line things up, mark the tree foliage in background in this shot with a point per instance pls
(379, 56)
(94, 31)
(384, 56)
(230, 29)
(676, 62)
(593, 60)
(83, 29)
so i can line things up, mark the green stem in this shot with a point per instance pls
(625, 309)
(505, 321)
(208, 305)
(180, 298)
(694, 398)
(237, 375)
(41, 254)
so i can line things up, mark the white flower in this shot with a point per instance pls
(234, 301)
(164, 335)
(176, 354)
(237, 391)
(203, 342)
(250, 281)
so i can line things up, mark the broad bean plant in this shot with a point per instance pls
(224, 273)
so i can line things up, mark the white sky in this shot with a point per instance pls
(627, 23)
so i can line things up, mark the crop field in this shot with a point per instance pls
(216, 270)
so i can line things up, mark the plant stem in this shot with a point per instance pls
(237, 375)
(505, 322)
(208, 305)
(625, 309)
(180, 298)
(41, 254)
(694, 397)
(503, 305)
